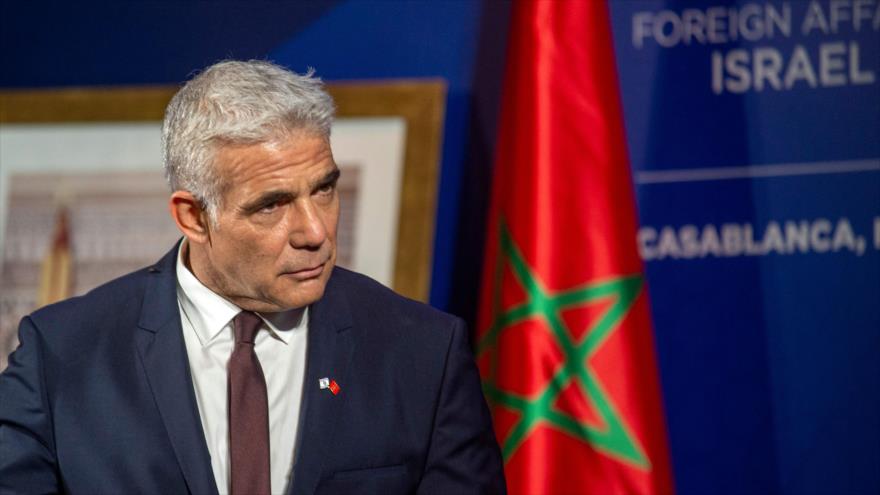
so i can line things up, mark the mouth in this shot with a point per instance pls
(307, 273)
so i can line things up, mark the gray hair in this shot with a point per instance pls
(235, 102)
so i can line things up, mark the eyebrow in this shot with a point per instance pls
(269, 198)
(266, 199)
(331, 178)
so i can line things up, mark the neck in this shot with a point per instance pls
(197, 260)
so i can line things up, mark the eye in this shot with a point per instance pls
(327, 188)
(270, 208)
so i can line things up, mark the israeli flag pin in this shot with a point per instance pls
(324, 383)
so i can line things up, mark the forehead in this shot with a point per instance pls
(297, 157)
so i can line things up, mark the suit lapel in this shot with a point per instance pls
(163, 354)
(329, 353)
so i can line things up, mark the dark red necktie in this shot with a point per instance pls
(248, 412)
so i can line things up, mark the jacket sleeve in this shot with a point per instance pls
(27, 445)
(463, 456)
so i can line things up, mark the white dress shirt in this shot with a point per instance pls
(207, 331)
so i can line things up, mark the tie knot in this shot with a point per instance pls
(246, 325)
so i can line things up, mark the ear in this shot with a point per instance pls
(189, 216)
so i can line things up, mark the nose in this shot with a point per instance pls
(307, 228)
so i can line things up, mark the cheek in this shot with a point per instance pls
(331, 219)
(245, 252)
(267, 248)
(232, 258)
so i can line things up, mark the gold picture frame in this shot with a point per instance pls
(419, 103)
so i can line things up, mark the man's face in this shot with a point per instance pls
(274, 244)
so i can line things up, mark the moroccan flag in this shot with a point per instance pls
(55, 273)
(564, 338)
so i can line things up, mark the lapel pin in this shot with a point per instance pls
(329, 384)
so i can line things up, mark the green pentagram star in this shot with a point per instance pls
(615, 439)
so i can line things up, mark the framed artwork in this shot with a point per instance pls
(93, 157)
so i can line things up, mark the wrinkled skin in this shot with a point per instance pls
(273, 246)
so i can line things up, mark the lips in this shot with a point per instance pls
(306, 273)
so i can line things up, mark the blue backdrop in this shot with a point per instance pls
(754, 133)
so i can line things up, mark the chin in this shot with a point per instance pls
(289, 293)
(303, 296)
(310, 298)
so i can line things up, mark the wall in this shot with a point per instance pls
(768, 357)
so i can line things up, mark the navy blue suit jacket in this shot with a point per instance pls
(98, 397)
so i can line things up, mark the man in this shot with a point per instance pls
(243, 361)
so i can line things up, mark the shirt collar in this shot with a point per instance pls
(209, 313)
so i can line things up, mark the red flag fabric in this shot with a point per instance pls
(564, 338)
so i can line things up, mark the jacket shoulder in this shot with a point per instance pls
(366, 294)
(111, 301)
(64, 322)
